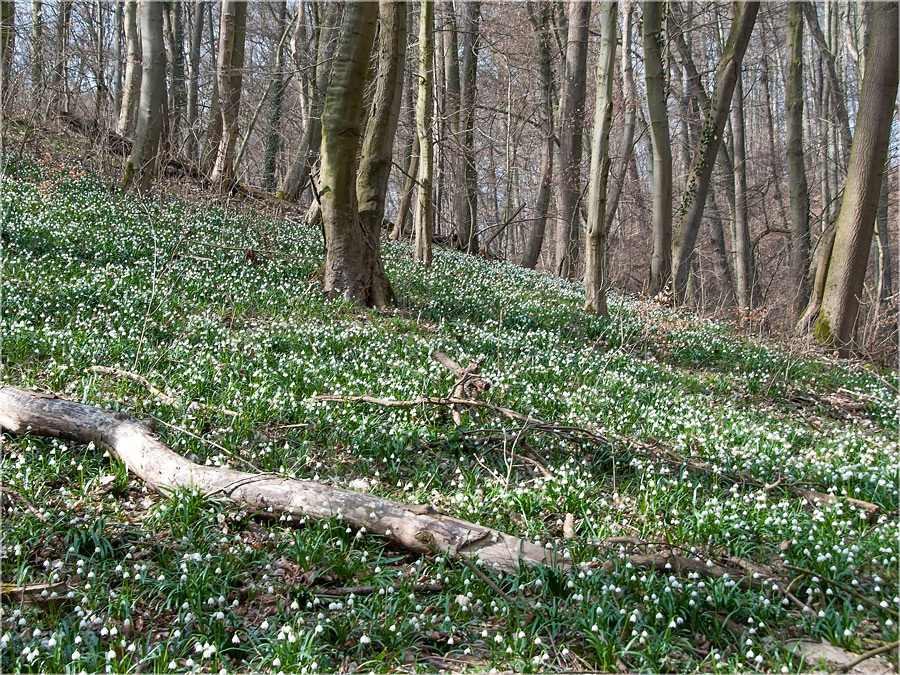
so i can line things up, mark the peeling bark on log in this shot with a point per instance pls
(415, 527)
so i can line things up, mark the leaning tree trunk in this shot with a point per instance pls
(595, 270)
(378, 143)
(229, 74)
(796, 169)
(423, 222)
(540, 20)
(571, 124)
(352, 263)
(132, 85)
(142, 163)
(416, 527)
(693, 200)
(853, 231)
(655, 79)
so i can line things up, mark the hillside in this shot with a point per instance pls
(706, 446)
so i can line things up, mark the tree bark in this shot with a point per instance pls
(540, 21)
(740, 237)
(626, 147)
(853, 231)
(229, 74)
(595, 269)
(415, 527)
(176, 42)
(37, 53)
(384, 113)
(423, 222)
(133, 69)
(272, 137)
(142, 163)
(467, 206)
(352, 262)
(60, 71)
(796, 168)
(885, 281)
(693, 200)
(7, 47)
(661, 193)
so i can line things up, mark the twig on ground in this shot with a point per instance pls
(9, 492)
(844, 587)
(883, 649)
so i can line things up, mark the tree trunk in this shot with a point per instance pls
(193, 105)
(352, 258)
(467, 208)
(378, 143)
(740, 236)
(100, 73)
(799, 242)
(693, 200)
(416, 527)
(176, 42)
(626, 147)
(571, 124)
(132, 85)
(229, 73)
(37, 53)
(595, 268)
(142, 163)
(423, 222)
(60, 71)
(272, 137)
(540, 21)
(7, 47)
(853, 231)
(297, 177)
(213, 134)
(885, 282)
(661, 255)
(118, 57)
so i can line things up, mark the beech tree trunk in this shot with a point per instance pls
(853, 231)
(796, 168)
(740, 237)
(272, 137)
(661, 192)
(176, 46)
(229, 74)
(626, 147)
(595, 268)
(467, 206)
(384, 113)
(352, 258)
(142, 163)
(571, 124)
(693, 200)
(416, 527)
(423, 222)
(540, 21)
(132, 85)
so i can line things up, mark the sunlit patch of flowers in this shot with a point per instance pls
(188, 583)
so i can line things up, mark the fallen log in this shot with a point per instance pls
(415, 527)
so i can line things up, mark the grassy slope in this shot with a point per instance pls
(92, 276)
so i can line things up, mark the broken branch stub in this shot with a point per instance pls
(415, 527)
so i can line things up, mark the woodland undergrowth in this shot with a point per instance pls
(704, 445)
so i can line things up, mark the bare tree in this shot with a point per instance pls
(142, 163)
(853, 232)
(595, 274)
(229, 74)
(133, 69)
(423, 222)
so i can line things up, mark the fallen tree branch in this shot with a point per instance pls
(415, 527)
(847, 588)
(12, 495)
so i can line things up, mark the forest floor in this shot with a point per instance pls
(769, 461)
